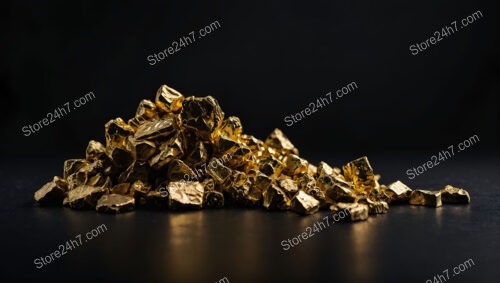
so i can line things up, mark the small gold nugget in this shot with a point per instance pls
(303, 203)
(114, 203)
(182, 153)
(425, 197)
(450, 194)
(398, 192)
(350, 211)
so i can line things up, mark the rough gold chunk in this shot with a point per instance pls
(114, 203)
(427, 198)
(226, 144)
(198, 155)
(325, 169)
(271, 166)
(95, 151)
(398, 192)
(146, 110)
(61, 183)
(450, 194)
(185, 195)
(303, 203)
(84, 197)
(231, 127)
(142, 150)
(279, 141)
(360, 173)
(319, 195)
(120, 156)
(155, 129)
(202, 114)
(136, 171)
(122, 189)
(72, 166)
(349, 211)
(288, 185)
(340, 193)
(117, 131)
(50, 194)
(139, 189)
(252, 143)
(168, 99)
(178, 170)
(274, 198)
(295, 165)
(305, 181)
(377, 207)
(219, 172)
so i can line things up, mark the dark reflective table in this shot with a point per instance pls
(409, 244)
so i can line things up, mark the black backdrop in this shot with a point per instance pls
(266, 61)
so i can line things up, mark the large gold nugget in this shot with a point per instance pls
(271, 166)
(218, 171)
(185, 195)
(349, 211)
(141, 150)
(155, 129)
(95, 151)
(288, 185)
(84, 197)
(427, 198)
(305, 181)
(178, 170)
(203, 115)
(231, 127)
(295, 165)
(325, 169)
(72, 166)
(114, 203)
(279, 141)
(198, 155)
(168, 99)
(398, 192)
(360, 172)
(146, 110)
(454, 195)
(275, 198)
(50, 194)
(117, 131)
(303, 203)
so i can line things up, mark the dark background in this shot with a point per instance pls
(266, 61)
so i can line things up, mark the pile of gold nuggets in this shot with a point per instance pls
(182, 153)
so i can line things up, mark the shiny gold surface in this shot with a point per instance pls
(114, 203)
(303, 203)
(183, 153)
(425, 197)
